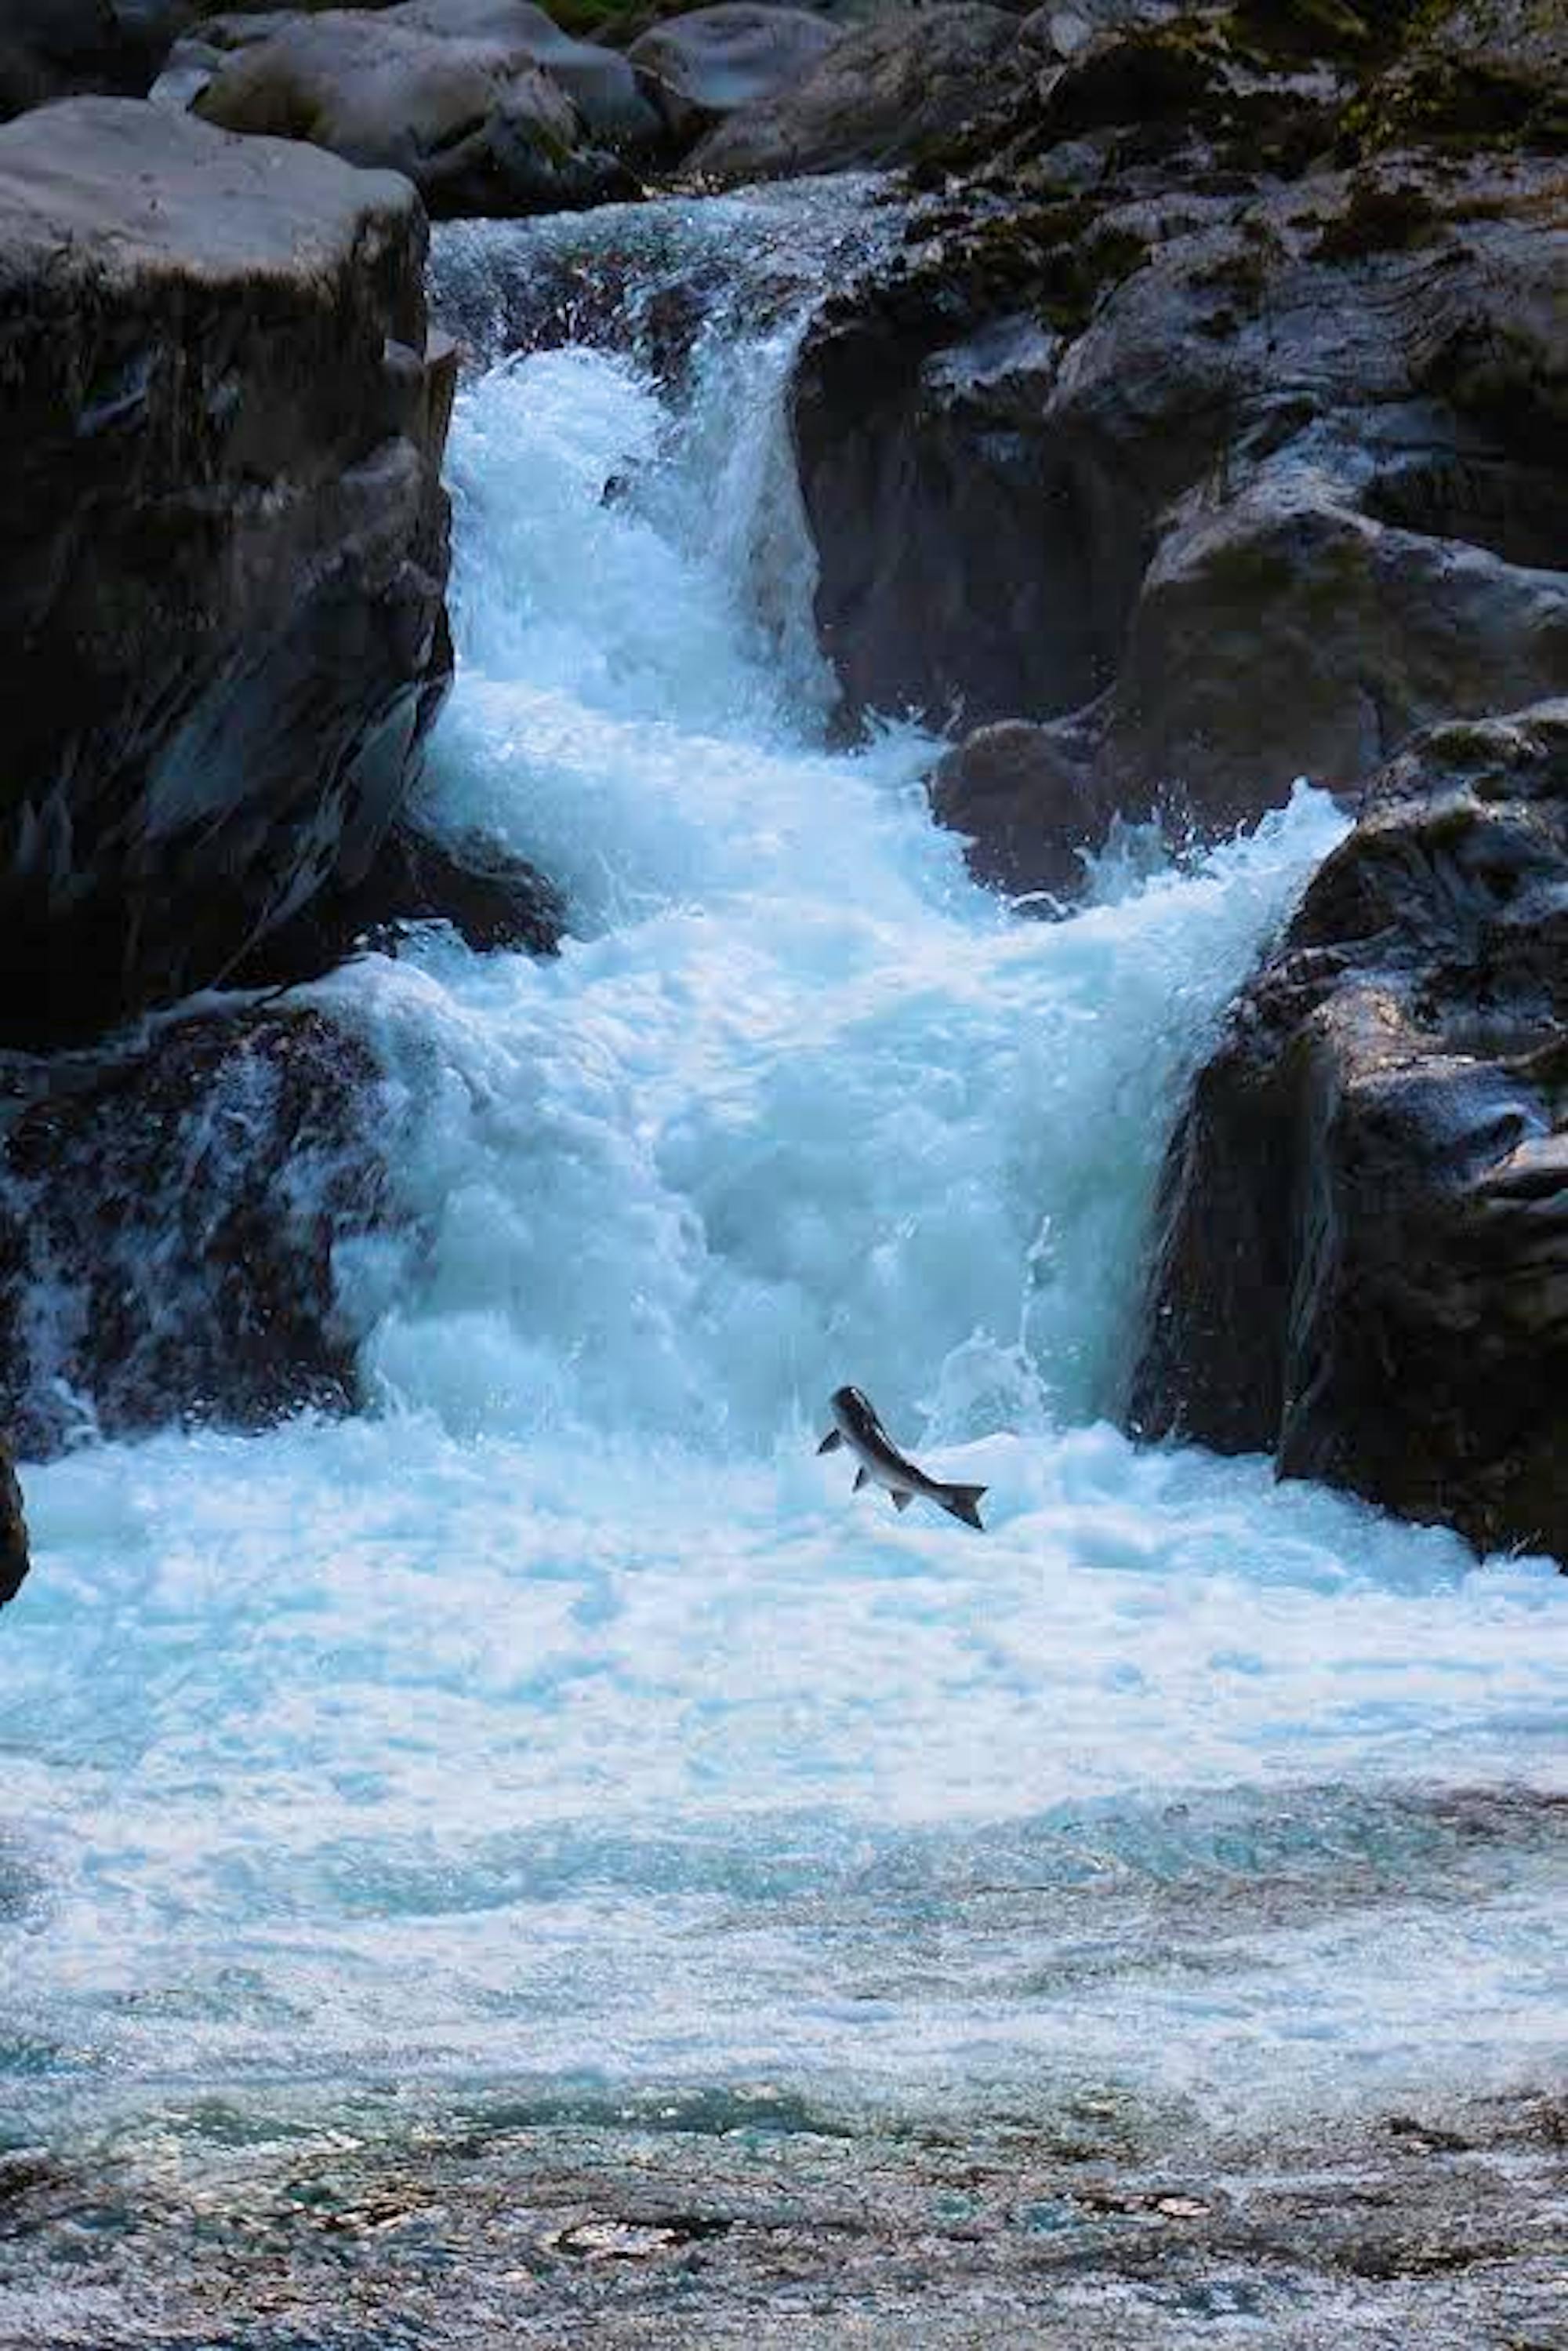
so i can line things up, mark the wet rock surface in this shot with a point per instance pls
(1215, 402)
(15, 1556)
(491, 898)
(484, 104)
(766, 2223)
(225, 541)
(175, 1217)
(1362, 1266)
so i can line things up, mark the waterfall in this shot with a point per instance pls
(563, 1719)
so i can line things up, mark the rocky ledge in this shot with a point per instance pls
(1362, 1266)
(1210, 418)
(224, 544)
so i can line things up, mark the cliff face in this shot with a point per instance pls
(222, 546)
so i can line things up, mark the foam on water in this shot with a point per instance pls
(567, 1720)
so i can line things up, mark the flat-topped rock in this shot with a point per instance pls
(222, 546)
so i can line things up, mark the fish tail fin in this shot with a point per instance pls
(964, 1502)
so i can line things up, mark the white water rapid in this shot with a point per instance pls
(563, 1728)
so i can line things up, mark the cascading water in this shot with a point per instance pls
(564, 1725)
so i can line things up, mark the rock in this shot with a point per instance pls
(51, 48)
(175, 1217)
(1362, 1259)
(1280, 470)
(873, 98)
(700, 68)
(1287, 634)
(224, 547)
(491, 898)
(484, 104)
(15, 1558)
(1025, 796)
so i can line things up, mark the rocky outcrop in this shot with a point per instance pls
(484, 104)
(224, 547)
(874, 99)
(1363, 1262)
(177, 1217)
(1197, 408)
(703, 67)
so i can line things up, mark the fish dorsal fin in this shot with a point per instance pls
(863, 1477)
(831, 1442)
(900, 1501)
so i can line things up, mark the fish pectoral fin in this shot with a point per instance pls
(863, 1477)
(831, 1442)
(900, 1501)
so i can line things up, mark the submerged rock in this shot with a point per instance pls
(1363, 1259)
(484, 104)
(175, 1216)
(224, 542)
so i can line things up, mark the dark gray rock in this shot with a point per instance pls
(53, 48)
(482, 104)
(1282, 471)
(700, 68)
(873, 98)
(1362, 1259)
(176, 1216)
(15, 1558)
(1026, 798)
(491, 898)
(224, 547)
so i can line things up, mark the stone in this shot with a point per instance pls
(491, 898)
(451, 93)
(225, 546)
(1266, 476)
(1024, 796)
(15, 1557)
(1362, 1264)
(871, 101)
(703, 67)
(55, 48)
(175, 1216)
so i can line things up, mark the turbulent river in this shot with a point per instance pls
(561, 1736)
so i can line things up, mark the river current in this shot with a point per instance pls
(563, 1730)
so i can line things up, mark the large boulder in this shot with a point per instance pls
(54, 48)
(700, 68)
(1362, 1259)
(177, 1217)
(484, 104)
(1169, 417)
(873, 99)
(225, 546)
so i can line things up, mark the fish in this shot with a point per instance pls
(881, 1463)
